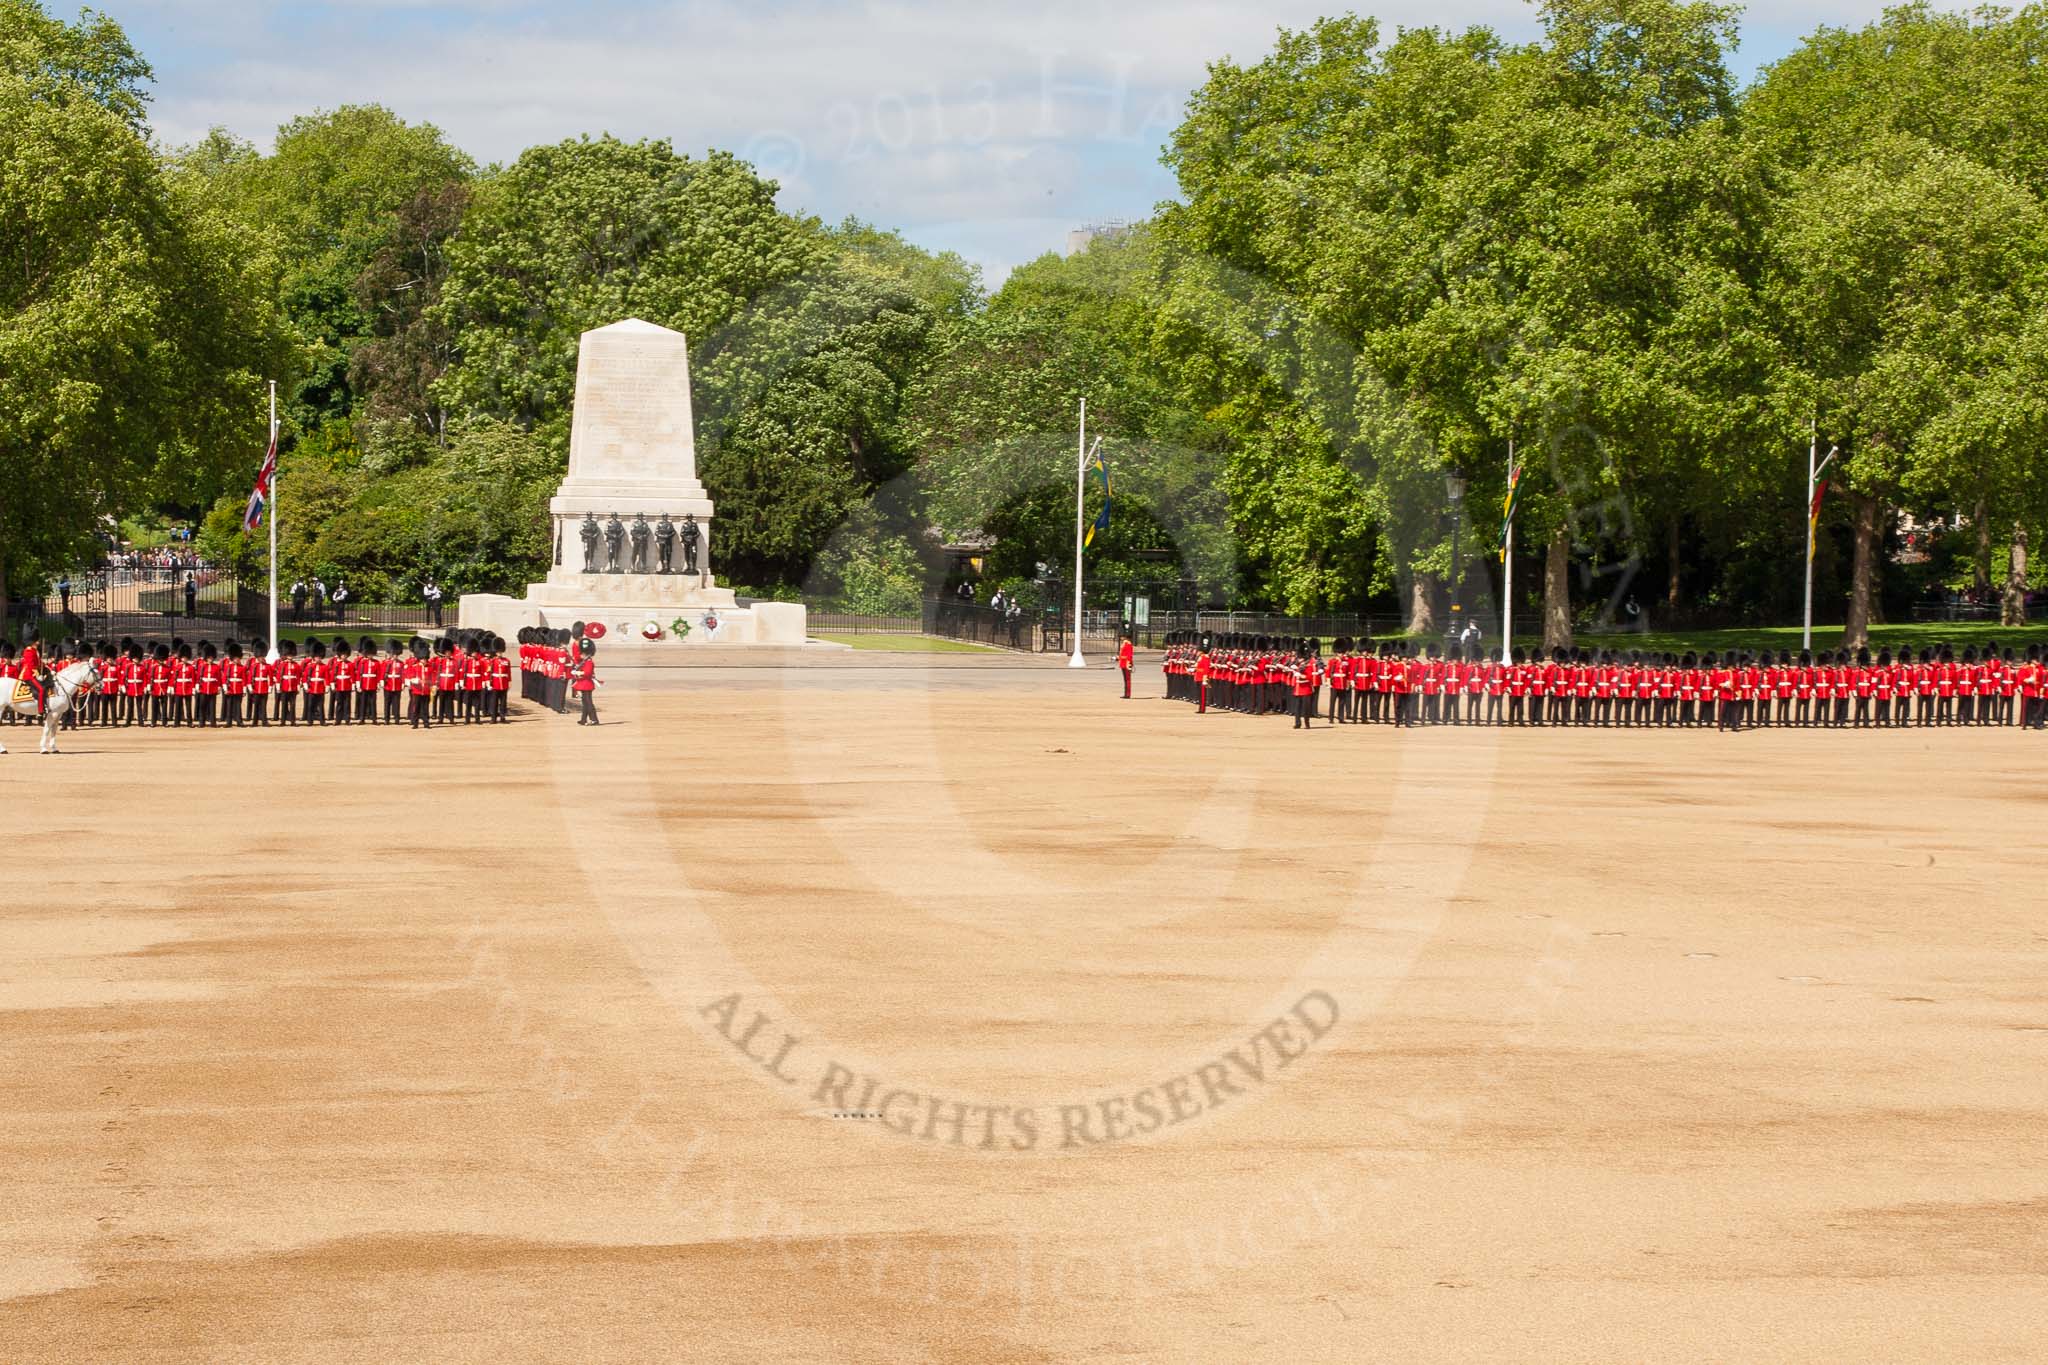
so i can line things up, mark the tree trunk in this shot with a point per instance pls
(1982, 523)
(1672, 562)
(2014, 611)
(1863, 578)
(1557, 592)
(1421, 606)
(6, 621)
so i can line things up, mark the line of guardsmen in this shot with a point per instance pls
(463, 677)
(554, 663)
(1397, 683)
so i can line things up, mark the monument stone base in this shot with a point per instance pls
(626, 603)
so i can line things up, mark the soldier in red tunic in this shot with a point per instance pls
(291, 675)
(501, 683)
(262, 678)
(208, 707)
(315, 677)
(341, 683)
(184, 685)
(419, 687)
(1305, 678)
(475, 683)
(1883, 685)
(2034, 690)
(585, 684)
(392, 677)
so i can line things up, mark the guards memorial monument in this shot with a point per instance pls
(632, 528)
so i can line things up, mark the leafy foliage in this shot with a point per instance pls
(135, 319)
(1391, 260)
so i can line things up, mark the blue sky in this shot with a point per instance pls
(987, 130)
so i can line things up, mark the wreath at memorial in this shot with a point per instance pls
(650, 629)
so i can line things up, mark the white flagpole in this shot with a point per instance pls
(1507, 560)
(1080, 496)
(273, 656)
(1813, 473)
(1812, 454)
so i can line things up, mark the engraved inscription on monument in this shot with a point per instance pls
(632, 420)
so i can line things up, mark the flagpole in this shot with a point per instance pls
(1080, 498)
(1507, 559)
(273, 656)
(1813, 473)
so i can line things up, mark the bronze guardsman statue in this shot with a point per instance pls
(691, 535)
(664, 543)
(639, 536)
(590, 532)
(614, 541)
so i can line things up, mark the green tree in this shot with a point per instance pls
(994, 422)
(135, 320)
(582, 234)
(396, 368)
(1393, 260)
(1903, 279)
(798, 407)
(1975, 86)
(91, 59)
(354, 201)
(944, 282)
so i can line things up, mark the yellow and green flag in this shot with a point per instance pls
(1507, 510)
(1101, 522)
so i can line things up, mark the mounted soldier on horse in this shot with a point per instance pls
(48, 698)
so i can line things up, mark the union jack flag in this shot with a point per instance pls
(252, 515)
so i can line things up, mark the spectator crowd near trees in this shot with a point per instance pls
(1391, 257)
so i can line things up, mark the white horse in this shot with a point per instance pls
(61, 695)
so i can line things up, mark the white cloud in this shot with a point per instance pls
(988, 130)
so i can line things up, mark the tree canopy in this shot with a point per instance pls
(1393, 259)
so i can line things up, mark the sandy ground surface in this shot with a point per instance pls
(966, 1012)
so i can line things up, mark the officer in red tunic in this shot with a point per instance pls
(28, 673)
(585, 683)
(1303, 679)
